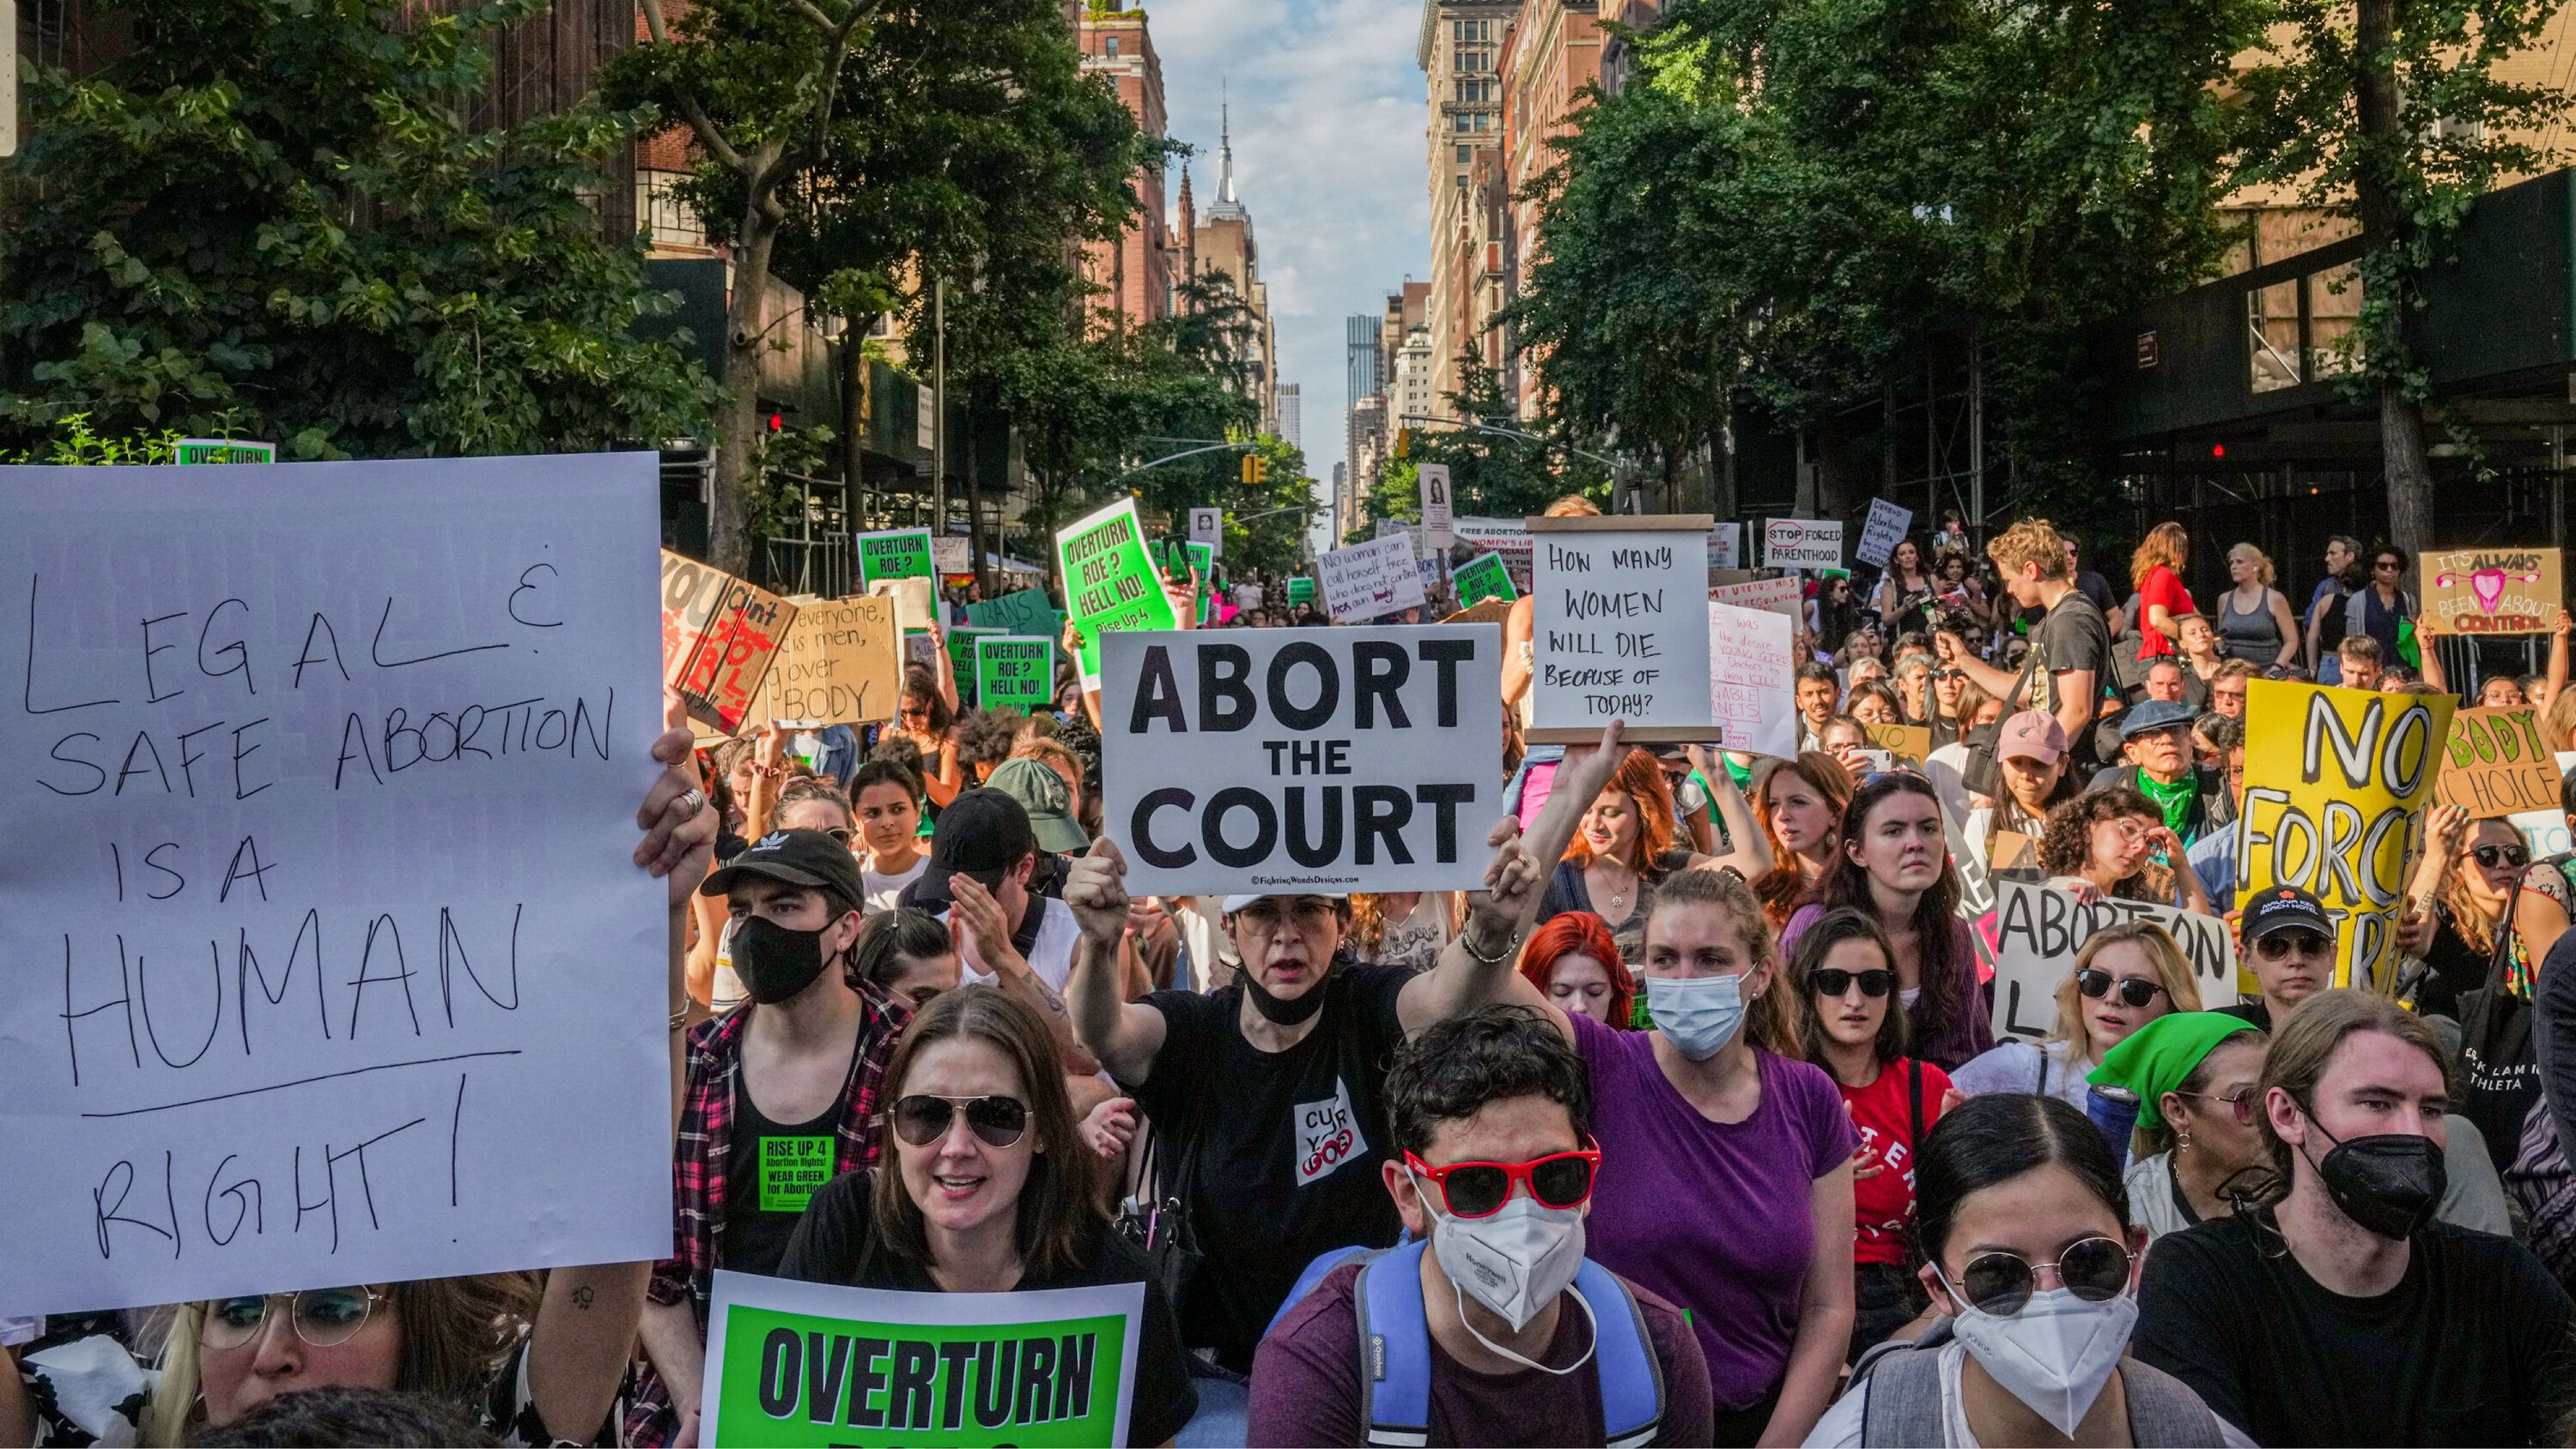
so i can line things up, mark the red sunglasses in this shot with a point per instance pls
(1479, 1189)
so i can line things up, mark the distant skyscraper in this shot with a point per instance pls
(1289, 404)
(1359, 349)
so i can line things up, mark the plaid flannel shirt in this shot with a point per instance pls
(698, 1168)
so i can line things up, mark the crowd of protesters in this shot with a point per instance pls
(1690, 1126)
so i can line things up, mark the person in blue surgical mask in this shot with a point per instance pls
(1726, 1159)
(2023, 1227)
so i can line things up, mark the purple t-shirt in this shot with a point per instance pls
(1716, 1218)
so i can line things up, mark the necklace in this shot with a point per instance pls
(1618, 897)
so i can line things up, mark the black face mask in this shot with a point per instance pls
(1280, 1011)
(774, 962)
(2389, 1184)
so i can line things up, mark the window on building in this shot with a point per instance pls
(1462, 155)
(1111, 42)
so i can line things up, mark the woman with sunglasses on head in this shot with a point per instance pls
(1894, 865)
(1855, 1032)
(2124, 977)
(2031, 1264)
(1904, 585)
(2198, 1077)
(991, 1188)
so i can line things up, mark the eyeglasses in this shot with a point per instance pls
(840, 833)
(2285, 944)
(922, 1119)
(1873, 982)
(1265, 916)
(2390, 564)
(1479, 1189)
(2492, 856)
(2134, 990)
(323, 1317)
(2093, 1269)
(2240, 1106)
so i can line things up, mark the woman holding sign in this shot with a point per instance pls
(990, 1190)
(926, 716)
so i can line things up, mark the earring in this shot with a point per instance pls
(2182, 1142)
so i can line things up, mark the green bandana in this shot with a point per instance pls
(2175, 799)
(2157, 1057)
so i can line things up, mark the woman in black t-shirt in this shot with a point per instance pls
(988, 1188)
(2469, 874)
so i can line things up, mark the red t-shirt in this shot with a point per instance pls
(1883, 1202)
(2162, 587)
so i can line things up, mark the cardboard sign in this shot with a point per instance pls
(1802, 543)
(1207, 526)
(1508, 538)
(1369, 580)
(902, 553)
(1620, 629)
(2494, 765)
(1265, 760)
(1014, 672)
(810, 1364)
(952, 557)
(1301, 590)
(1437, 525)
(1483, 577)
(916, 604)
(1882, 533)
(843, 664)
(2336, 781)
(1752, 684)
(1110, 579)
(1726, 545)
(1781, 596)
(332, 966)
(2010, 852)
(1491, 611)
(1029, 611)
(1909, 744)
(920, 648)
(2038, 932)
(2491, 591)
(719, 635)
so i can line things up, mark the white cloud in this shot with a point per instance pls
(1329, 156)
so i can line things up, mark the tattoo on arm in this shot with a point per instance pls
(584, 1296)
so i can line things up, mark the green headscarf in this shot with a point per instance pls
(2157, 1057)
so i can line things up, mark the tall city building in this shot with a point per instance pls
(1552, 54)
(1359, 381)
(1459, 48)
(1135, 271)
(1226, 247)
(1290, 405)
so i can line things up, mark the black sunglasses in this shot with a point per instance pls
(923, 1119)
(2281, 944)
(1873, 982)
(2134, 991)
(2492, 856)
(2093, 1269)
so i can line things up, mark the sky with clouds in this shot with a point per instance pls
(1328, 110)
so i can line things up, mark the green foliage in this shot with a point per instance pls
(76, 445)
(268, 211)
(1491, 474)
(1794, 198)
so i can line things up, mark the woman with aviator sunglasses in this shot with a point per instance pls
(2028, 1256)
(1847, 972)
(2199, 1080)
(990, 1188)
(2469, 875)
(2124, 977)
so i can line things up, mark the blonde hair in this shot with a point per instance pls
(2031, 541)
(2173, 969)
(1573, 505)
(2262, 561)
(2165, 546)
(1775, 1021)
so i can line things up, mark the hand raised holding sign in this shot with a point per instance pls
(679, 830)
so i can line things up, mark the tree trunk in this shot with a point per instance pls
(729, 539)
(854, 416)
(2383, 222)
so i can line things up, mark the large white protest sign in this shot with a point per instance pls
(2038, 932)
(809, 1364)
(1783, 596)
(1752, 680)
(1506, 538)
(1802, 543)
(1288, 760)
(1618, 629)
(332, 966)
(1436, 521)
(1370, 580)
(1884, 530)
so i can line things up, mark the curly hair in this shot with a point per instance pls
(986, 736)
(1642, 781)
(1580, 933)
(1455, 1067)
(2066, 840)
(2031, 541)
(922, 687)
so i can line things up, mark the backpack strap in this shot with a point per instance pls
(1395, 1348)
(1623, 1357)
(1324, 1262)
(2163, 1411)
(1900, 1385)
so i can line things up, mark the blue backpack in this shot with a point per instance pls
(1395, 1346)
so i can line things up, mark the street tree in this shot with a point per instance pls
(266, 218)
(2397, 115)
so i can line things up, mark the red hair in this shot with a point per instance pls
(1642, 781)
(1579, 933)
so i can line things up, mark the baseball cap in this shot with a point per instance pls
(2155, 714)
(806, 858)
(2286, 908)
(1041, 793)
(2033, 734)
(982, 833)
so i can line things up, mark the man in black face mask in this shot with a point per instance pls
(2343, 1312)
(780, 1089)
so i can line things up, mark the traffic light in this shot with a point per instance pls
(1404, 442)
(1256, 470)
